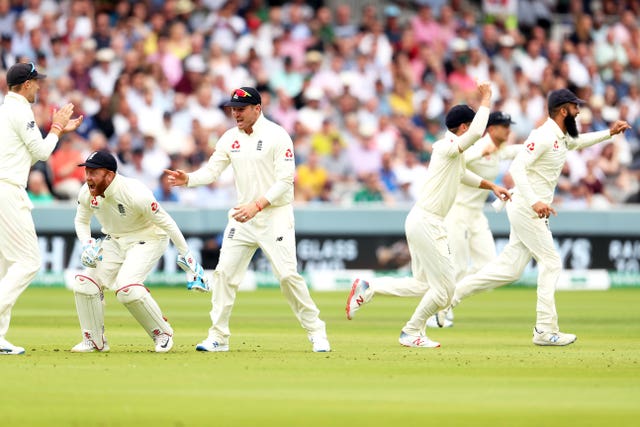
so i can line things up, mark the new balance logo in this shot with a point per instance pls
(554, 338)
(417, 341)
(360, 300)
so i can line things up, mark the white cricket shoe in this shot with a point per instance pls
(442, 319)
(86, 346)
(320, 343)
(360, 294)
(418, 341)
(552, 338)
(212, 345)
(164, 343)
(6, 348)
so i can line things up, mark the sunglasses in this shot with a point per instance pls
(241, 93)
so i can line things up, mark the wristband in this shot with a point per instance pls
(57, 126)
(258, 206)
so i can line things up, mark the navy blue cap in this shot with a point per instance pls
(21, 72)
(458, 115)
(499, 118)
(101, 159)
(562, 96)
(244, 96)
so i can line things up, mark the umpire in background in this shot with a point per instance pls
(23, 145)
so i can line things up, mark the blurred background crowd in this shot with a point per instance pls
(361, 86)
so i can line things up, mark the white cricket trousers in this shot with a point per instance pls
(430, 264)
(19, 251)
(127, 260)
(470, 240)
(273, 231)
(529, 237)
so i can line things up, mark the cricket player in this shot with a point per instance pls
(261, 155)
(535, 171)
(22, 146)
(137, 233)
(470, 238)
(431, 264)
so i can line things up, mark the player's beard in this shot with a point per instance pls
(571, 126)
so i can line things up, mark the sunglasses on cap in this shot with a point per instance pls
(241, 93)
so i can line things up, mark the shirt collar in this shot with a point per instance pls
(17, 97)
(257, 125)
(555, 128)
(111, 189)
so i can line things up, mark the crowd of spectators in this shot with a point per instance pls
(363, 99)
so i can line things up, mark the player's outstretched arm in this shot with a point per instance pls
(177, 178)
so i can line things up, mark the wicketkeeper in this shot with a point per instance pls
(137, 233)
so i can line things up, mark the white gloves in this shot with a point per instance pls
(196, 280)
(91, 253)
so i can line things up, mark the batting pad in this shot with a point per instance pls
(137, 299)
(88, 296)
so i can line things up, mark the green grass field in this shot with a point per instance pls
(487, 373)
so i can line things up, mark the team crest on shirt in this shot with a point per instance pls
(555, 146)
(235, 147)
(154, 207)
(94, 203)
(31, 125)
(289, 154)
(531, 146)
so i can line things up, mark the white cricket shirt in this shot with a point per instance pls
(263, 163)
(446, 169)
(22, 142)
(536, 169)
(488, 167)
(128, 208)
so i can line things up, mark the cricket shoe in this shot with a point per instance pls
(417, 341)
(164, 343)
(6, 348)
(87, 346)
(442, 319)
(320, 343)
(360, 294)
(552, 338)
(212, 345)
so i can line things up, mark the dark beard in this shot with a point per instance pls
(571, 125)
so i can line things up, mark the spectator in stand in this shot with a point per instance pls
(311, 179)
(37, 188)
(372, 190)
(165, 192)
(363, 152)
(67, 176)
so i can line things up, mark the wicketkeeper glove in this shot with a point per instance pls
(196, 280)
(91, 253)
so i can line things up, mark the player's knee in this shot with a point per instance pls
(131, 293)
(442, 297)
(292, 280)
(552, 265)
(86, 285)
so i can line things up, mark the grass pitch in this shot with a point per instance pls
(488, 373)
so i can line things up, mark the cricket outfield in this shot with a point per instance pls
(487, 372)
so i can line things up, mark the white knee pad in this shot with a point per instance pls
(89, 304)
(137, 299)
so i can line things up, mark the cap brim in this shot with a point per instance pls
(40, 77)
(92, 165)
(237, 104)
